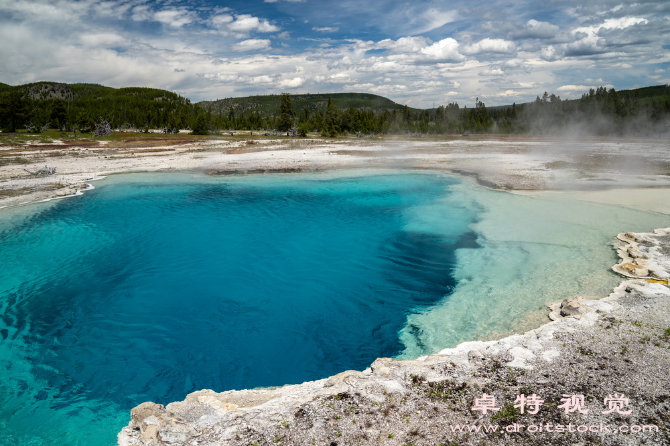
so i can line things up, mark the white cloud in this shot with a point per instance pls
(360, 87)
(446, 50)
(587, 42)
(241, 25)
(420, 50)
(427, 83)
(221, 19)
(141, 13)
(514, 63)
(535, 30)
(506, 94)
(101, 39)
(243, 79)
(251, 45)
(175, 17)
(246, 23)
(264, 79)
(618, 23)
(326, 29)
(491, 46)
(404, 45)
(433, 18)
(583, 88)
(223, 77)
(112, 8)
(387, 89)
(549, 54)
(492, 71)
(337, 78)
(291, 83)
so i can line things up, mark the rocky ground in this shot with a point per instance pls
(611, 352)
(502, 162)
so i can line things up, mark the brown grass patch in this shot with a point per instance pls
(7, 193)
(16, 160)
(139, 151)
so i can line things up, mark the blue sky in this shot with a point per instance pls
(419, 52)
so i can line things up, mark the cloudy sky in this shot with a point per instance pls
(420, 52)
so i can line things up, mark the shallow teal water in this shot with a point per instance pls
(152, 286)
(530, 251)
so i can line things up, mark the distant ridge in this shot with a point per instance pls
(647, 92)
(45, 90)
(269, 104)
(313, 102)
(651, 92)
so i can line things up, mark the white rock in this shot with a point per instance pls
(393, 386)
(550, 355)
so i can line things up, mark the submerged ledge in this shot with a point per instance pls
(618, 344)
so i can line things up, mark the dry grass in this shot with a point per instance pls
(5, 161)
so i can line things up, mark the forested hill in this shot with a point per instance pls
(60, 104)
(657, 91)
(311, 102)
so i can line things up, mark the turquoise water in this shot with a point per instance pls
(152, 286)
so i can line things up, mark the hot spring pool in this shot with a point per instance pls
(152, 286)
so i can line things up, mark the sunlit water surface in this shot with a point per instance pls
(152, 286)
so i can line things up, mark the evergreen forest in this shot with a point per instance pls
(42, 105)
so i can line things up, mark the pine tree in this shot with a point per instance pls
(200, 125)
(331, 127)
(406, 114)
(286, 113)
(14, 109)
(58, 112)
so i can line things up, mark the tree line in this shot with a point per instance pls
(598, 112)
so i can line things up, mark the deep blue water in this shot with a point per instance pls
(153, 286)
